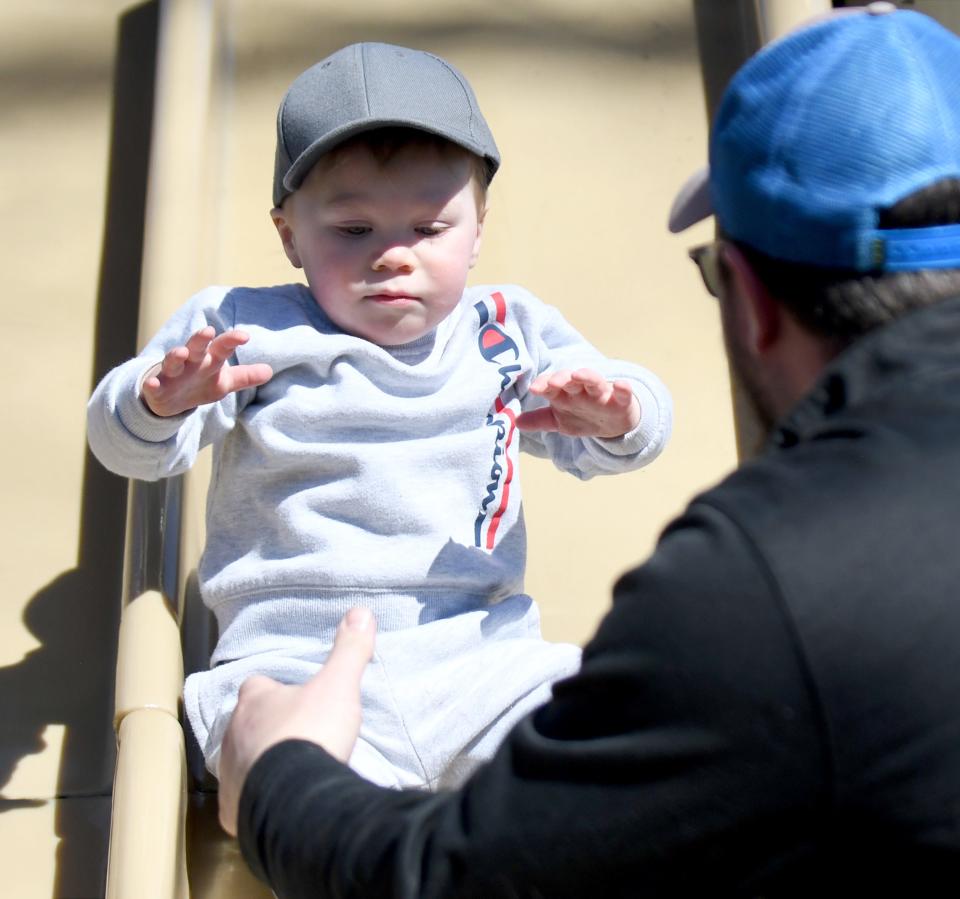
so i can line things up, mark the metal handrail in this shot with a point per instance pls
(147, 857)
(151, 558)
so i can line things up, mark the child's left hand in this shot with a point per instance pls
(582, 404)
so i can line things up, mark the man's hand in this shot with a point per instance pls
(582, 404)
(324, 710)
(195, 374)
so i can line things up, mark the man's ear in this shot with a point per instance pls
(282, 224)
(761, 315)
(475, 255)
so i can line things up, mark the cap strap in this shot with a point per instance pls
(909, 249)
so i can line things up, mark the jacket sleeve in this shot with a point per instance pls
(683, 756)
(126, 437)
(558, 345)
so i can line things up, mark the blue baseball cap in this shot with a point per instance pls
(824, 128)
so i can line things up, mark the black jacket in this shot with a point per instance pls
(771, 708)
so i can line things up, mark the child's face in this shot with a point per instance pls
(385, 247)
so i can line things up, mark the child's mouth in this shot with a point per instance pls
(392, 299)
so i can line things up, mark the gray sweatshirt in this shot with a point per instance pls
(363, 475)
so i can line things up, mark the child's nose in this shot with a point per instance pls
(395, 258)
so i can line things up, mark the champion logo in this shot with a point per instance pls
(492, 342)
(499, 349)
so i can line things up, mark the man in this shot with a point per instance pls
(772, 706)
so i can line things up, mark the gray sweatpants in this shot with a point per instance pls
(438, 697)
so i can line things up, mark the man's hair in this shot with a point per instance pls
(841, 304)
(385, 143)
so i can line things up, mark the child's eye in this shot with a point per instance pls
(429, 230)
(353, 230)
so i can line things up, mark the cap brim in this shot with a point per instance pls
(693, 203)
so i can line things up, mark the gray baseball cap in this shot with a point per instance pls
(367, 86)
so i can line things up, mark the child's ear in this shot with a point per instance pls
(475, 255)
(282, 224)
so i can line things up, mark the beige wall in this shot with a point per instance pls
(598, 112)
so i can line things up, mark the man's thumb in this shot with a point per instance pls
(352, 647)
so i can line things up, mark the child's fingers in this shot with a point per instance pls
(174, 362)
(542, 388)
(597, 391)
(555, 384)
(198, 343)
(154, 393)
(571, 383)
(622, 393)
(573, 387)
(592, 382)
(543, 419)
(244, 376)
(199, 346)
(224, 345)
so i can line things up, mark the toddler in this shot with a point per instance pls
(366, 425)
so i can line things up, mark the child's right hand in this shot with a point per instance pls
(195, 374)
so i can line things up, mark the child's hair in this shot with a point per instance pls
(385, 143)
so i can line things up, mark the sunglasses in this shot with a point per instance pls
(707, 258)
